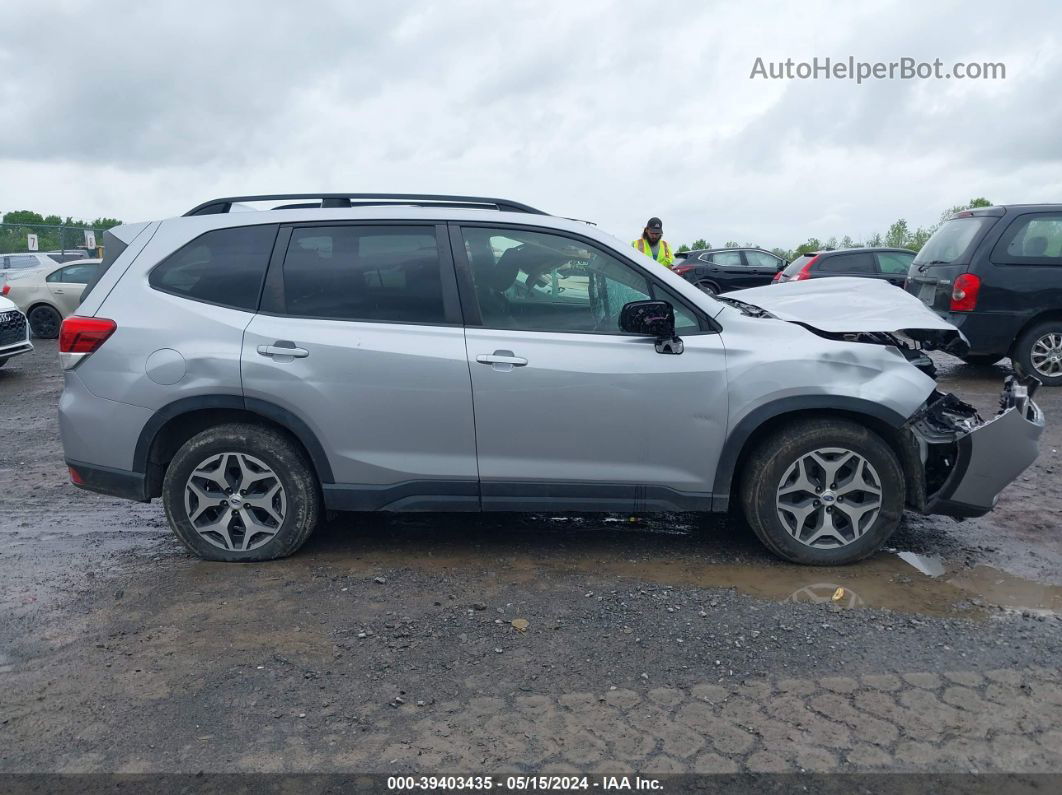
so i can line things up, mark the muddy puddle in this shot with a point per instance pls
(893, 579)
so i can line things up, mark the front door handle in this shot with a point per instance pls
(283, 350)
(502, 361)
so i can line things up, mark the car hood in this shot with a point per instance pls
(840, 305)
(6, 304)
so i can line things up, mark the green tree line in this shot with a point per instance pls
(898, 235)
(17, 224)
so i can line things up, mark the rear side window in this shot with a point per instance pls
(382, 273)
(75, 274)
(894, 261)
(862, 262)
(1032, 240)
(113, 247)
(794, 267)
(19, 262)
(224, 267)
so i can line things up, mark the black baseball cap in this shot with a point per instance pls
(654, 223)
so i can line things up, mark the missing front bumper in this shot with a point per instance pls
(968, 461)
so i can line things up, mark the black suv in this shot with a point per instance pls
(888, 264)
(996, 273)
(718, 270)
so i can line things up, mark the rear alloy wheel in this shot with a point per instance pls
(823, 492)
(1038, 352)
(706, 286)
(241, 493)
(45, 322)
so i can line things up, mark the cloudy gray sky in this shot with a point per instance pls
(609, 111)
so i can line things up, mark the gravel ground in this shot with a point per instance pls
(672, 643)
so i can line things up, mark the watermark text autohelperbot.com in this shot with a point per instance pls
(859, 71)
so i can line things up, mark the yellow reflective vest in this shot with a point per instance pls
(663, 253)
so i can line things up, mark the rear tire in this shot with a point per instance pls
(1037, 352)
(45, 322)
(241, 493)
(844, 521)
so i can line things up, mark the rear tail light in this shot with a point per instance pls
(964, 292)
(682, 270)
(81, 336)
(5, 289)
(805, 272)
(777, 277)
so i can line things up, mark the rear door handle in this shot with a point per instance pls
(502, 361)
(284, 350)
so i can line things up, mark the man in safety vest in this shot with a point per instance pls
(651, 244)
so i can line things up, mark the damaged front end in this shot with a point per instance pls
(957, 462)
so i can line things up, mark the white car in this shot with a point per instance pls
(48, 294)
(14, 332)
(25, 260)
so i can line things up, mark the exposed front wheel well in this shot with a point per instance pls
(178, 430)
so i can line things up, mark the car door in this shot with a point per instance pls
(728, 270)
(359, 337)
(68, 283)
(763, 267)
(894, 265)
(571, 413)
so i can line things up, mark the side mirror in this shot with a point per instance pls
(652, 319)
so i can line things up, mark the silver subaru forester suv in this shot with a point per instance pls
(264, 359)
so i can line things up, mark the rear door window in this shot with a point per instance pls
(1034, 239)
(861, 262)
(725, 259)
(224, 267)
(894, 261)
(75, 274)
(372, 273)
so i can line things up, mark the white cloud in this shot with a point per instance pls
(607, 111)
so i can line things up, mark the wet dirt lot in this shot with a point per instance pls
(671, 643)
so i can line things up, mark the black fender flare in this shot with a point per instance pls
(281, 416)
(739, 436)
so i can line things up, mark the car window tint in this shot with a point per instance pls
(862, 262)
(542, 282)
(894, 261)
(18, 262)
(384, 273)
(760, 259)
(727, 259)
(225, 266)
(75, 274)
(1034, 238)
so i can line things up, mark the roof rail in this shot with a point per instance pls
(325, 200)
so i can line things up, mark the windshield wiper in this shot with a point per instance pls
(924, 265)
(747, 309)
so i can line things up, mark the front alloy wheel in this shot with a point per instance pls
(829, 497)
(823, 491)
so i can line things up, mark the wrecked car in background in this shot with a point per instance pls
(352, 352)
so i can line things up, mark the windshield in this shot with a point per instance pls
(953, 241)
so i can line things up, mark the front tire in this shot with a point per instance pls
(823, 492)
(241, 493)
(45, 322)
(1038, 352)
(706, 286)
